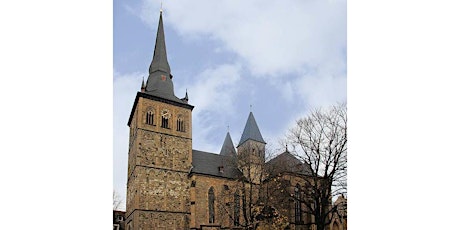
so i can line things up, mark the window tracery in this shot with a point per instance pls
(165, 115)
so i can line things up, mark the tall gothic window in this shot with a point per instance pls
(149, 117)
(236, 209)
(298, 204)
(165, 119)
(180, 124)
(211, 199)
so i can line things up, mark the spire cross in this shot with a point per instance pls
(228, 128)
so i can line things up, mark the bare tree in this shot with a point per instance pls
(320, 142)
(246, 204)
(117, 201)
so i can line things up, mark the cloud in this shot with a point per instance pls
(298, 46)
(212, 93)
(273, 39)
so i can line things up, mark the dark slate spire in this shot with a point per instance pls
(228, 148)
(159, 82)
(251, 131)
(160, 59)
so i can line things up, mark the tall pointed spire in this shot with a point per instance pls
(251, 131)
(160, 59)
(228, 149)
(159, 82)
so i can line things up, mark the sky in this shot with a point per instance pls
(278, 60)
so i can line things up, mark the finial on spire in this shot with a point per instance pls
(250, 108)
(228, 128)
(286, 147)
(161, 7)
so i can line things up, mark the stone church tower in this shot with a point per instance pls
(251, 151)
(160, 150)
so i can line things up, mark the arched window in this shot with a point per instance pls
(211, 199)
(165, 119)
(298, 204)
(180, 124)
(149, 117)
(236, 209)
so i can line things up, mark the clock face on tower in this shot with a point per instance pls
(165, 113)
(163, 77)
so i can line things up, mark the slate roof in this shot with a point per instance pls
(251, 131)
(209, 163)
(286, 162)
(228, 148)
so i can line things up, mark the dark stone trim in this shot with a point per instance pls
(155, 98)
(251, 140)
(152, 167)
(165, 169)
(210, 175)
(167, 134)
(146, 210)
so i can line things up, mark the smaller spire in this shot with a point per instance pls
(228, 149)
(143, 85)
(251, 131)
(185, 99)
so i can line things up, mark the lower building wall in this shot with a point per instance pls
(223, 191)
(147, 220)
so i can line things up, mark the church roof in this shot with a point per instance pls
(251, 131)
(209, 164)
(228, 148)
(286, 162)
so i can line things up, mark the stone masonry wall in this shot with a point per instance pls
(158, 194)
(223, 206)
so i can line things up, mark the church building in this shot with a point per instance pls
(172, 186)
